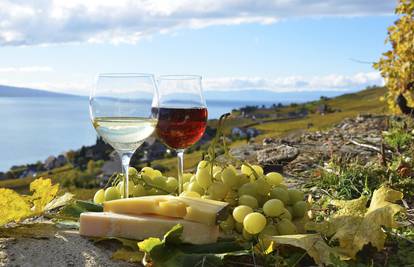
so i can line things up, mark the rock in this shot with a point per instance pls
(277, 154)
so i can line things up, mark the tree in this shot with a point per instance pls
(397, 64)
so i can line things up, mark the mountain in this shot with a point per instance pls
(266, 96)
(12, 91)
(252, 96)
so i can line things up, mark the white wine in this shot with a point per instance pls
(124, 134)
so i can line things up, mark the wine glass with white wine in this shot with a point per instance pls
(120, 109)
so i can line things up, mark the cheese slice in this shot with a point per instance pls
(188, 208)
(106, 224)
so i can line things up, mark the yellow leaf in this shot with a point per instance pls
(13, 207)
(43, 193)
(314, 245)
(355, 226)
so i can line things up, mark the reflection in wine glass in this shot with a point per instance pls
(120, 109)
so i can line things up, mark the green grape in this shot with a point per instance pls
(270, 229)
(147, 179)
(218, 190)
(246, 235)
(286, 215)
(254, 223)
(148, 171)
(240, 212)
(248, 189)
(274, 178)
(273, 208)
(229, 177)
(99, 196)
(231, 198)
(232, 167)
(286, 227)
(195, 187)
(249, 172)
(132, 172)
(154, 192)
(217, 176)
(120, 187)
(295, 195)
(203, 178)
(171, 184)
(262, 199)
(262, 187)
(239, 227)
(138, 191)
(204, 164)
(299, 209)
(243, 179)
(193, 178)
(228, 224)
(156, 173)
(258, 170)
(217, 169)
(159, 181)
(246, 170)
(281, 194)
(290, 209)
(112, 193)
(190, 194)
(187, 176)
(248, 201)
(185, 186)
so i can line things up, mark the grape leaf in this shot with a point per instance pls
(354, 225)
(43, 193)
(74, 209)
(314, 245)
(13, 206)
(128, 255)
(170, 252)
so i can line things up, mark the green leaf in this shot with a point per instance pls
(170, 252)
(73, 210)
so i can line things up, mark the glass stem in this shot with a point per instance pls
(125, 159)
(180, 167)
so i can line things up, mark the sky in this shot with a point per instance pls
(278, 45)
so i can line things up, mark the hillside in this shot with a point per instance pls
(345, 106)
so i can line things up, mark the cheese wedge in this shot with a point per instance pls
(188, 208)
(105, 224)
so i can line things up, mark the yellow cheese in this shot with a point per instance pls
(188, 208)
(105, 224)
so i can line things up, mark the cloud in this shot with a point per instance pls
(332, 82)
(25, 69)
(38, 22)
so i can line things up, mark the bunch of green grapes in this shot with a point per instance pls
(262, 204)
(146, 182)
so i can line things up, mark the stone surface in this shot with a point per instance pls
(277, 154)
(55, 248)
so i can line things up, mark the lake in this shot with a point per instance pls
(37, 127)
